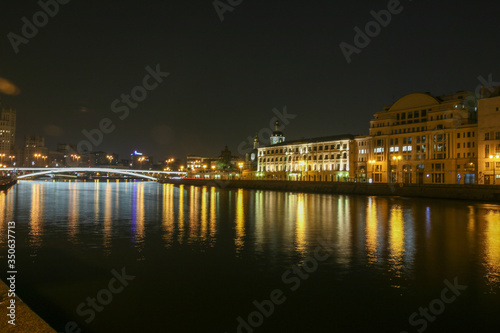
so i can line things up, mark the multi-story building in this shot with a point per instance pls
(140, 161)
(7, 134)
(193, 162)
(425, 139)
(316, 159)
(489, 139)
(35, 153)
(362, 146)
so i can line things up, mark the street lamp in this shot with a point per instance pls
(493, 158)
(397, 158)
(110, 158)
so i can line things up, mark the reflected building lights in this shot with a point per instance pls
(344, 231)
(214, 201)
(138, 216)
(204, 219)
(181, 214)
(108, 216)
(371, 231)
(73, 212)
(36, 215)
(396, 240)
(492, 249)
(168, 214)
(300, 226)
(240, 222)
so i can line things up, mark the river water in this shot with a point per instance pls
(148, 257)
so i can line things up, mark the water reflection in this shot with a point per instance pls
(371, 230)
(73, 212)
(492, 248)
(138, 216)
(239, 241)
(300, 229)
(168, 214)
(396, 240)
(377, 233)
(108, 218)
(36, 218)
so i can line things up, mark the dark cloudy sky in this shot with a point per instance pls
(226, 77)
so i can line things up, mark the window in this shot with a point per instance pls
(487, 150)
(458, 135)
(497, 135)
(458, 145)
(486, 136)
(468, 134)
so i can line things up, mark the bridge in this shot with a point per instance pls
(146, 174)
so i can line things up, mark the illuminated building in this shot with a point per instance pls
(277, 136)
(35, 153)
(426, 139)
(7, 133)
(489, 137)
(316, 159)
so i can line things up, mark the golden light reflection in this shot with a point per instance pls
(492, 248)
(36, 216)
(344, 230)
(108, 217)
(168, 213)
(3, 220)
(240, 221)
(371, 231)
(193, 213)
(259, 221)
(213, 214)
(73, 212)
(138, 217)
(204, 220)
(396, 240)
(300, 229)
(96, 200)
(181, 214)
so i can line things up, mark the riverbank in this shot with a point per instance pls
(26, 319)
(5, 184)
(461, 192)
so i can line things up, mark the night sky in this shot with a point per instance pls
(227, 77)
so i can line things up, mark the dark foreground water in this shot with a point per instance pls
(145, 257)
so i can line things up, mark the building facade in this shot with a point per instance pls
(489, 140)
(424, 139)
(7, 134)
(316, 159)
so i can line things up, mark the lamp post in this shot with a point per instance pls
(397, 158)
(302, 163)
(110, 158)
(11, 158)
(493, 159)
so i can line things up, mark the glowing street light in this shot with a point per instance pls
(110, 158)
